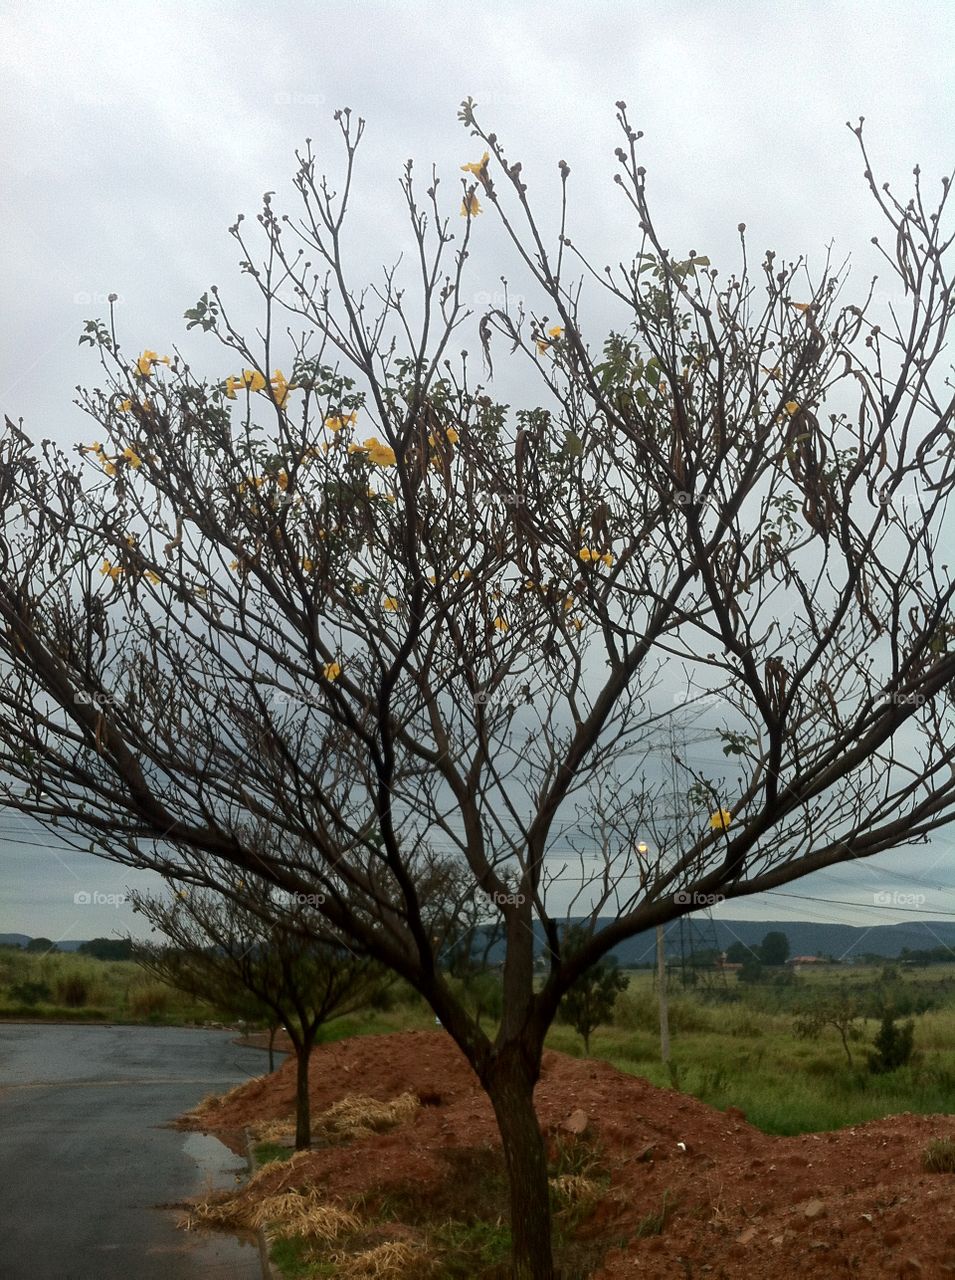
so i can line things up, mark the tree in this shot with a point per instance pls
(591, 999)
(250, 960)
(43, 945)
(774, 948)
(316, 628)
(107, 948)
(841, 1011)
(738, 953)
(893, 1045)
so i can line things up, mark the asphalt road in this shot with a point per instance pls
(86, 1158)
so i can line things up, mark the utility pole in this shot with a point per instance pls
(662, 989)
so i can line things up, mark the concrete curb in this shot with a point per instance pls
(267, 1271)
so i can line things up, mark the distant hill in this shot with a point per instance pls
(698, 933)
(21, 940)
(806, 938)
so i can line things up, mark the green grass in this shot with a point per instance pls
(268, 1152)
(292, 1257)
(78, 988)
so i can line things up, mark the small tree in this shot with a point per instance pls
(590, 1001)
(893, 1045)
(373, 604)
(40, 945)
(238, 953)
(841, 1011)
(774, 948)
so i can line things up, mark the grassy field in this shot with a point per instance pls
(66, 985)
(735, 1045)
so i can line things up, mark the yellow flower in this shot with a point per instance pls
(283, 480)
(109, 469)
(358, 588)
(500, 624)
(332, 670)
(152, 577)
(112, 570)
(791, 406)
(470, 206)
(390, 497)
(720, 820)
(459, 574)
(342, 420)
(126, 406)
(607, 559)
(382, 455)
(391, 604)
(281, 387)
(542, 346)
(230, 386)
(479, 168)
(307, 565)
(252, 379)
(356, 448)
(556, 332)
(146, 361)
(132, 458)
(576, 624)
(452, 435)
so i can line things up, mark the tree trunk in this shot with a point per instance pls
(303, 1119)
(510, 1085)
(272, 1030)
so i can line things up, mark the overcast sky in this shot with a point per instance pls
(134, 133)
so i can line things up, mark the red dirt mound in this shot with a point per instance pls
(740, 1204)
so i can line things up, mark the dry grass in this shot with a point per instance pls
(574, 1188)
(356, 1115)
(394, 1260)
(280, 1131)
(288, 1213)
(213, 1101)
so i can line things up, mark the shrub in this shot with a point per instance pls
(893, 1045)
(73, 991)
(939, 1156)
(149, 1001)
(29, 993)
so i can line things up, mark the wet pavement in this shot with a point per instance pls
(87, 1157)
